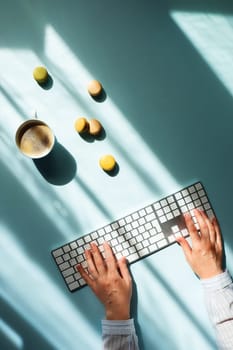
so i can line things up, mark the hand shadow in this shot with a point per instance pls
(58, 167)
(134, 314)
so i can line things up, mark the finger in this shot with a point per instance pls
(124, 271)
(211, 228)
(90, 263)
(191, 228)
(84, 275)
(109, 257)
(185, 246)
(204, 230)
(97, 259)
(218, 234)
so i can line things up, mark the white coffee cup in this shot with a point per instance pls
(34, 138)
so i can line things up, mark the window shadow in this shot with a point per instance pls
(29, 334)
(180, 303)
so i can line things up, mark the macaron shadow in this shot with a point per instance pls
(58, 167)
(48, 84)
(91, 138)
(101, 97)
(114, 172)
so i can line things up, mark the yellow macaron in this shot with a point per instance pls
(94, 88)
(107, 162)
(95, 127)
(81, 125)
(40, 74)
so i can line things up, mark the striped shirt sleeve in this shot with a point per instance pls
(218, 293)
(119, 335)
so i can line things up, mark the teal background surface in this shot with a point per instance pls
(166, 68)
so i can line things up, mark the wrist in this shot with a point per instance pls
(112, 314)
(211, 274)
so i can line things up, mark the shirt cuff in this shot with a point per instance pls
(115, 327)
(217, 282)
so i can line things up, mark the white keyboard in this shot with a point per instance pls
(137, 235)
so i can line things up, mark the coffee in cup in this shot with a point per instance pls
(34, 138)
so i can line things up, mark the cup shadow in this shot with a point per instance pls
(58, 167)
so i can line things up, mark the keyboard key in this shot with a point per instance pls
(94, 235)
(148, 226)
(128, 219)
(80, 242)
(135, 224)
(153, 232)
(114, 234)
(135, 216)
(115, 225)
(156, 224)
(125, 253)
(121, 239)
(73, 286)
(138, 246)
(169, 216)
(156, 206)
(127, 235)
(162, 219)
(108, 229)
(150, 217)
(66, 257)
(149, 209)
(145, 243)
(125, 245)
(141, 229)
(80, 259)
(162, 243)
(128, 227)
(114, 242)
(87, 239)
(73, 245)
(152, 248)
(141, 221)
(143, 252)
(133, 257)
(170, 200)
(142, 212)
(68, 272)
(163, 202)
(122, 222)
(132, 250)
(69, 279)
(132, 241)
(146, 235)
(66, 248)
(59, 260)
(58, 252)
(64, 266)
(171, 239)
(121, 231)
(139, 238)
(184, 232)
